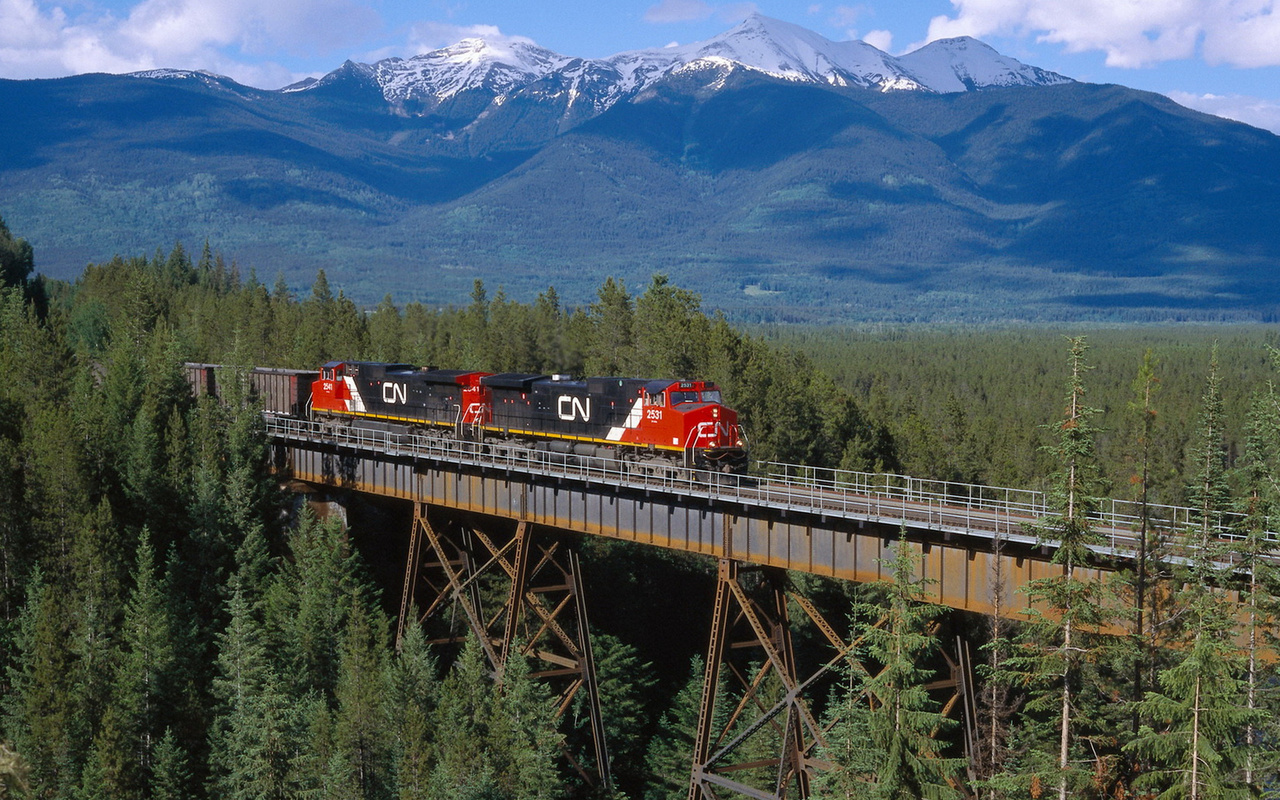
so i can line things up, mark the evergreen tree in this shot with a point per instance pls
(16, 258)
(411, 702)
(38, 709)
(1261, 480)
(361, 741)
(464, 768)
(1066, 606)
(610, 351)
(386, 332)
(670, 752)
(250, 744)
(1201, 710)
(670, 330)
(624, 681)
(523, 741)
(171, 776)
(307, 606)
(1200, 714)
(141, 693)
(903, 761)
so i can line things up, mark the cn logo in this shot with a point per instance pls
(395, 393)
(571, 408)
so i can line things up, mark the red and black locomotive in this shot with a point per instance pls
(634, 419)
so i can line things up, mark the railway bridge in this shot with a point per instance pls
(487, 512)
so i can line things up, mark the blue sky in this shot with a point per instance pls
(1221, 56)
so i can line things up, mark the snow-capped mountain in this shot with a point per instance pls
(779, 49)
(965, 64)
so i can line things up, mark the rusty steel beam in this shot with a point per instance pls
(542, 615)
(959, 569)
(761, 681)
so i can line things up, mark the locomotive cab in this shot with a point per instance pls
(690, 416)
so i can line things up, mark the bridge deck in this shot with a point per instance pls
(831, 523)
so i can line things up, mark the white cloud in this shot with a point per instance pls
(224, 36)
(1132, 33)
(1254, 111)
(881, 40)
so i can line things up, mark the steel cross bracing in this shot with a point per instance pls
(541, 614)
(945, 508)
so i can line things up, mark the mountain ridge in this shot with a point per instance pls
(775, 198)
(420, 84)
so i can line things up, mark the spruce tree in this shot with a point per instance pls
(903, 760)
(522, 738)
(464, 765)
(1192, 747)
(250, 744)
(612, 317)
(1201, 709)
(670, 752)
(410, 706)
(1067, 606)
(361, 739)
(142, 691)
(171, 775)
(1260, 473)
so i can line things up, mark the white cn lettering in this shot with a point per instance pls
(395, 393)
(570, 408)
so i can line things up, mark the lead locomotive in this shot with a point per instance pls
(673, 421)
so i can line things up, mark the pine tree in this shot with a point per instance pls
(142, 694)
(250, 743)
(171, 776)
(523, 740)
(997, 705)
(17, 259)
(1261, 479)
(360, 736)
(671, 332)
(903, 761)
(1201, 711)
(386, 332)
(612, 319)
(624, 681)
(411, 702)
(38, 709)
(1066, 606)
(670, 752)
(464, 767)
(1199, 715)
(307, 604)
(1146, 612)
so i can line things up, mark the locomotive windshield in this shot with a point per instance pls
(709, 396)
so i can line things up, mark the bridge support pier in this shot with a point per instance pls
(756, 733)
(542, 612)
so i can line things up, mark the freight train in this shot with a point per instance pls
(660, 422)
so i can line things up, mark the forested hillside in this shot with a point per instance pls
(174, 625)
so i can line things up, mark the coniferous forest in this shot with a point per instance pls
(175, 624)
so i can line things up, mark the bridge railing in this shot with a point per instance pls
(1117, 519)
(941, 505)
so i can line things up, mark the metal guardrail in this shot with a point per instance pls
(966, 509)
